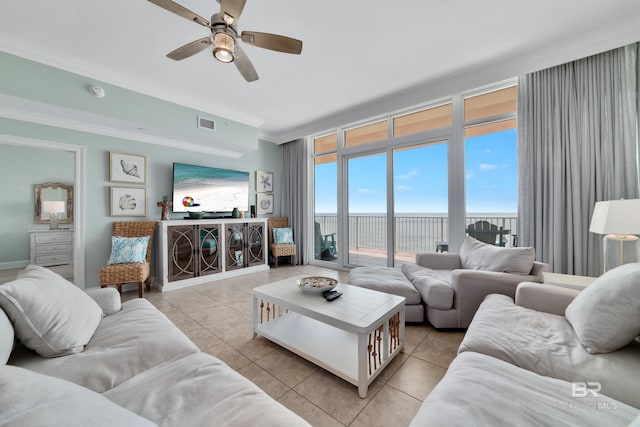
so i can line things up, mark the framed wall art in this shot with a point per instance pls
(264, 203)
(264, 182)
(130, 168)
(128, 201)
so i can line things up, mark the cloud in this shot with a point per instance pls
(487, 167)
(365, 191)
(403, 188)
(412, 172)
(470, 174)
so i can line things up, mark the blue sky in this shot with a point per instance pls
(420, 179)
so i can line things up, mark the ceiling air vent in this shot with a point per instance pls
(206, 123)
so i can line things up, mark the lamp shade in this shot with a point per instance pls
(53, 206)
(616, 217)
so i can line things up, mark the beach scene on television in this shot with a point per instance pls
(206, 189)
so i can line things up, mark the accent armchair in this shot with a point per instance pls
(130, 272)
(278, 247)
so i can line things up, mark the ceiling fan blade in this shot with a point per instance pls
(272, 42)
(190, 49)
(244, 65)
(230, 10)
(181, 11)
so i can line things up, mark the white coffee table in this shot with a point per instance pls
(354, 337)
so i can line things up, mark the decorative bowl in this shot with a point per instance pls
(196, 215)
(317, 284)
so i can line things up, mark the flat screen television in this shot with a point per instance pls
(207, 189)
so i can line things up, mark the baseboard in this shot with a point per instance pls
(13, 264)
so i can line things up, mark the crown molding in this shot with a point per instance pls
(78, 66)
(15, 108)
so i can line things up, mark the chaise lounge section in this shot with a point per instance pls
(452, 286)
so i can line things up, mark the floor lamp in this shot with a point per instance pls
(619, 221)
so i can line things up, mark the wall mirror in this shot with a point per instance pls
(54, 191)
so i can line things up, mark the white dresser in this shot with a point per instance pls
(51, 247)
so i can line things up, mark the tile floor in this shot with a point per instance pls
(217, 317)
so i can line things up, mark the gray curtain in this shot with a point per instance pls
(577, 144)
(294, 193)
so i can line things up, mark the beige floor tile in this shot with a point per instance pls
(389, 407)
(254, 349)
(334, 395)
(228, 355)
(286, 366)
(414, 335)
(194, 303)
(183, 322)
(307, 410)
(267, 382)
(417, 378)
(217, 316)
(212, 316)
(203, 338)
(440, 347)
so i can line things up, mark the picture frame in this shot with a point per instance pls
(264, 182)
(130, 168)
(128, 201)
(264, 203)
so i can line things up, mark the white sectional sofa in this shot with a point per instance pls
(112, 364)
(552, 357)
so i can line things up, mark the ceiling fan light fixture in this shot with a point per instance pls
(223, 47)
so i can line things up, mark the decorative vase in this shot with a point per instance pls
(235, 213)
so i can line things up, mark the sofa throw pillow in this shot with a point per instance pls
(476, 255)
(606, 315)
(128, 249)
(6, 338)
(50, 315)
(32, 399)
(283, 236)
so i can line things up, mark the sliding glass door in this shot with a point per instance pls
(367, 210)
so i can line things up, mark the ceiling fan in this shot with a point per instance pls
(225, 35)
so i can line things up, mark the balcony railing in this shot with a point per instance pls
(413, 233)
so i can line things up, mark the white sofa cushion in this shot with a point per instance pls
(200, 390)
(385, 279)
(50, 315)
(606, 315)
(6, 337)
(434, 285)
(31, 399)
(546, 344)
(476, 255)
(479, 390)
(126, 343)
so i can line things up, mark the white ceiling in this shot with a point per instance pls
(360, 58)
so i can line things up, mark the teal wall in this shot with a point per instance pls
(37, 82)
(21, 168)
